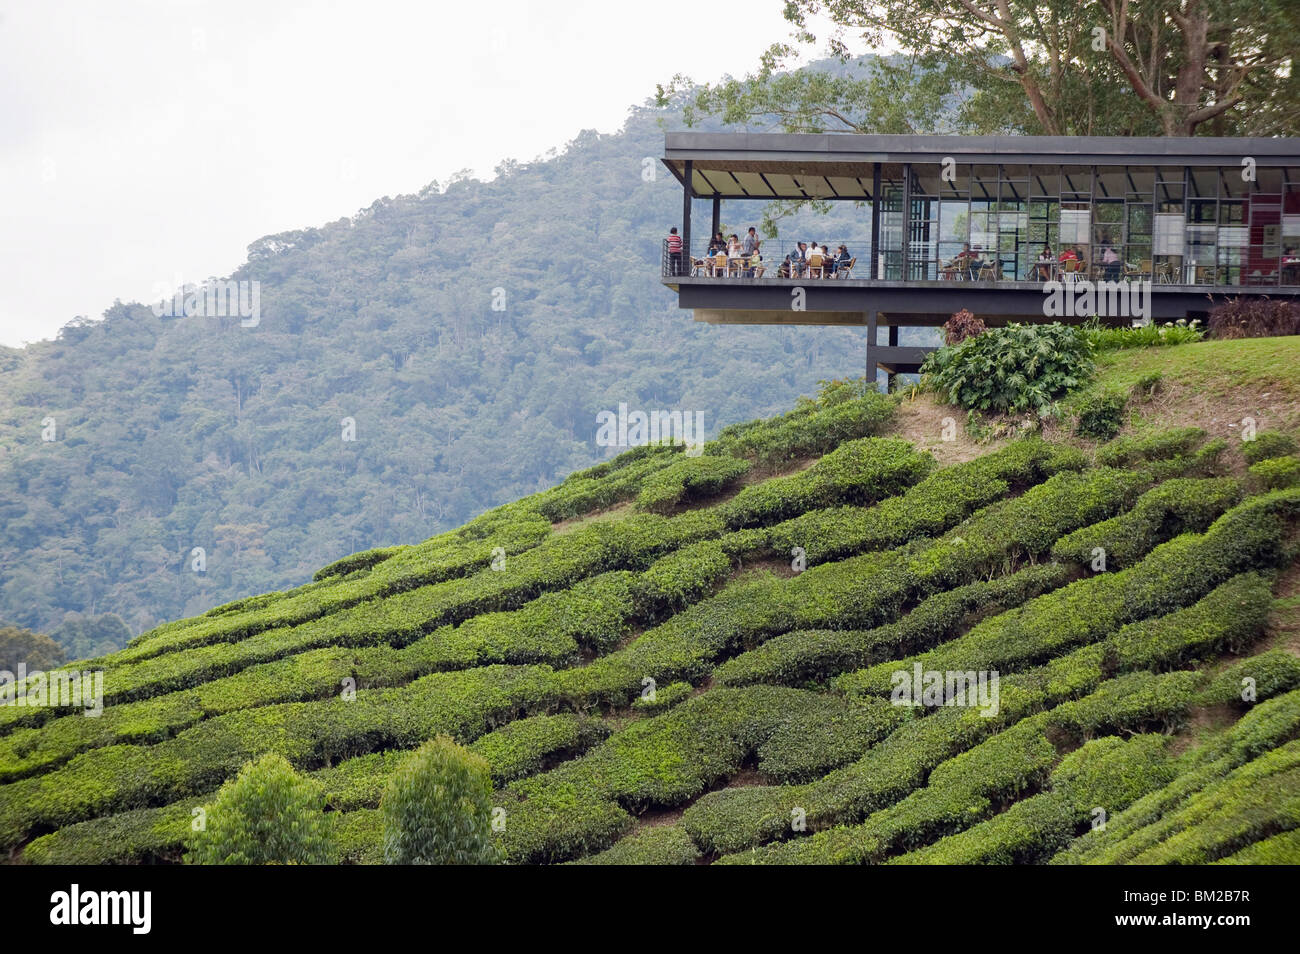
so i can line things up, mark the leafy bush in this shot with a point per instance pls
(934, 505)
(842, 411)
(689, 478)
(267, 815)
(1181, 505)
(1150, 335)
(682, 577)
(524, 746)
(1277, 472)
(857, 472)
(1013, 369)
(1161, 445)
(1100, 416)
(1268, 444)
(960, 326)
(437, 809)
(794, 657)
(357, 561)
(1254, 318)
(1268, 724)
(664, 845)
(664, 698)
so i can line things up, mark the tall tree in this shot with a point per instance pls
(1054, 67)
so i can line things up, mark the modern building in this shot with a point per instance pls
(1156, 229)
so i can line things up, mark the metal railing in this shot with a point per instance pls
(774, 260)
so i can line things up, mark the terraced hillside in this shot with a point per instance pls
(671, 659)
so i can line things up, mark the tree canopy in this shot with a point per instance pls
(1052, 67)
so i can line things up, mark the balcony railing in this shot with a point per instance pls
(1246, 268)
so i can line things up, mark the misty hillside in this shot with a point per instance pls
(177, 433)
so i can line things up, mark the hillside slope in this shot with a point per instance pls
(673, 659)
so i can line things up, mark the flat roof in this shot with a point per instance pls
(839, 166)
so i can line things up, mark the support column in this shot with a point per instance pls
(686, 217)
(892, 378)
(871, 349)
(874, 266)
(717, 217)
(907, 219)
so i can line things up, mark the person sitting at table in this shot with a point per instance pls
(717, 244)
(967, 261)
(1067, 258)
(756, 266)
(1290, 274)
(1043, 267)
(842, 257)
(800, 260)
(1110, 263)
(817, 254)
(733, 246)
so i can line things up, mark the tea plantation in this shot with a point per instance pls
(673, 659)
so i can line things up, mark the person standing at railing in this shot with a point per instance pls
(674, 252)
(750, 245)
(1110, 263)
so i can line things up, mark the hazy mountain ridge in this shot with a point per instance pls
(176, 433)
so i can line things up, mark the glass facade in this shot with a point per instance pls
(1024, 222)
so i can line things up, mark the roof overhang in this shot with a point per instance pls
(835, 166)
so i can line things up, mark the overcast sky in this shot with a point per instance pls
(143, 141)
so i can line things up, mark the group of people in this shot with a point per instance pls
(1047, 266)
(814, 260)
(733, 255)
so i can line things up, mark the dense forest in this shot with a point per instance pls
(471, 333)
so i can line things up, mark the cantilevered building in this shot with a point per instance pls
(953, 222)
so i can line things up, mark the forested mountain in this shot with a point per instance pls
(176, 433)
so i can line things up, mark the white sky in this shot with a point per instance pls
(145, 140)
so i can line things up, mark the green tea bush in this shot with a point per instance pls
(1109, 773)
(814, 655)
(443, 559)
(1181, 505)
(857, 472)
(437, 809)
(1270, 723)
(842, 411)
(268, 814)
(1160, 445)
(811, 744)
(936, 504)
(144, 836)
(1276, 473)
(1256, 677)
(663, 698)
(525, 746)
(357, 561)
(581, 806)
(1268, 444)
(688, 479)
(1100, 416)
(1255, 800)
(308, 734)
(663, 845)
(1026, 833)
(682, 577)
(1281, 849)
(1011, 370)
